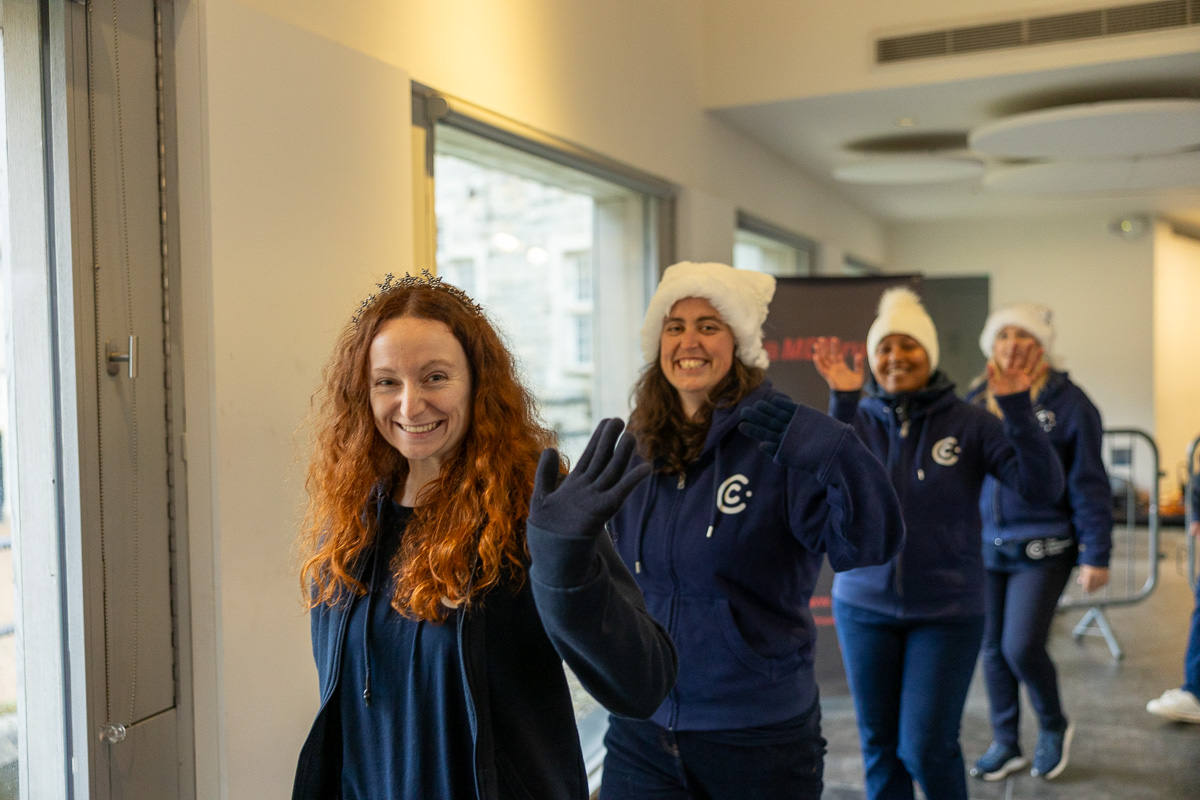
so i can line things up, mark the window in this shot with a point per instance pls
(561, 247)
(763, 247)
(579, 266)
(583, 340)
(554, 253)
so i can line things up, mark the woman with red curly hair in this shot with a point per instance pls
(450, 571)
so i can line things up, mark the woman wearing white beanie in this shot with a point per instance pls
(910, 629)
(725, 539)
(1030, 549)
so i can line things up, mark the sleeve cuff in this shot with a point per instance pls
(561, 562)
(1018, 411)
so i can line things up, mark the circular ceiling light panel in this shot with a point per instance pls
(909, 170)
(1072, 177)
(1114, 129)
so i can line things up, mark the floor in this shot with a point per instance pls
(1120, 751)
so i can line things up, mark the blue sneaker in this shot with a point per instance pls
(1053, 749)
(998, 762)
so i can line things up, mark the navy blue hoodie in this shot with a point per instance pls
(727, 556)
(1084, 511)
(578, 605)
(938, 449)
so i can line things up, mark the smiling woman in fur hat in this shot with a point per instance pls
(910, 629)
(726, 539)
(1029, 549)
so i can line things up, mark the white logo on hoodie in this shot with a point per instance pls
(729, 494)
(945, 451)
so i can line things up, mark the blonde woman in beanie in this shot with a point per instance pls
(749, 493)
(1030, 549)
(910, 629)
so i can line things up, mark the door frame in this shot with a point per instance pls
(53, 425)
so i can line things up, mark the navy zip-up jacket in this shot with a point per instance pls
(1084, 511)
(578, 605)
(727, 556)
(938, 449)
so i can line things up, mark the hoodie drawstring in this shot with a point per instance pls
(921, 451)
(712, 517)
(367, 626)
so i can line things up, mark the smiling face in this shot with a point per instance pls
(695, 351)
(420, 392)
(1008, 342)
(900, 364)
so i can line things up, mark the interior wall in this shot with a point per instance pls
(1100, 287)
(764, 50)
(295, 176)
(295, 194)
(1176, 349)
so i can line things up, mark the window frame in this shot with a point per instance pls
(803, 244)
(855, 267)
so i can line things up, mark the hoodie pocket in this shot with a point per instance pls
(723, 664)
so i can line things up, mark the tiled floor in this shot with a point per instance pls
(1120, 751)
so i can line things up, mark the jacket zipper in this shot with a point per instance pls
(900, 556)
(673, 717)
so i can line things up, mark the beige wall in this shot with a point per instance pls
(1100, 287)
(622, 77)
(1176, 349)
(764, 50)
(296, 187)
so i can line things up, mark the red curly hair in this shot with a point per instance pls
(468, 534)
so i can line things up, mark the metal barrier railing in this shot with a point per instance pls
(1131, 458)
(1190, 512)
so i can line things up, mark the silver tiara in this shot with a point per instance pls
(390, 284)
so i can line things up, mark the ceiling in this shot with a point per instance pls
(820, 134)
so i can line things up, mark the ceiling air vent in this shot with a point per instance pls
(1110, 21)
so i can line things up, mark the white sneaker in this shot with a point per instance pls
(1177, 704)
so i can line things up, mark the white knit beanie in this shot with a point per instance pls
(740, 296)
(1036, 320)
(901, 311)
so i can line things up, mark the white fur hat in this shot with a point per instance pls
(1037, 320)
(901, 311)
(740, 296)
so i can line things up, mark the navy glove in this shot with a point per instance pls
(767, 420)
(593, 492)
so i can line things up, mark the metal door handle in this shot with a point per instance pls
(115, 358)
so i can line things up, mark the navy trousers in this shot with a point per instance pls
(1191, 659)
(1020, 609)
(775, 762)
(909, 679)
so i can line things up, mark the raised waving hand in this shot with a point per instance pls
(593, 491)
(1023, 368)
(829, 357)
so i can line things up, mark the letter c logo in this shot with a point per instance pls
(729, 495)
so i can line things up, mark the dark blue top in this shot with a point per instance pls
(727, 556)
(419, 714)
(576, 603)
(938, 449)
(1084, 510)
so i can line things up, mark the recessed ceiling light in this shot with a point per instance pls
(906, 122)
